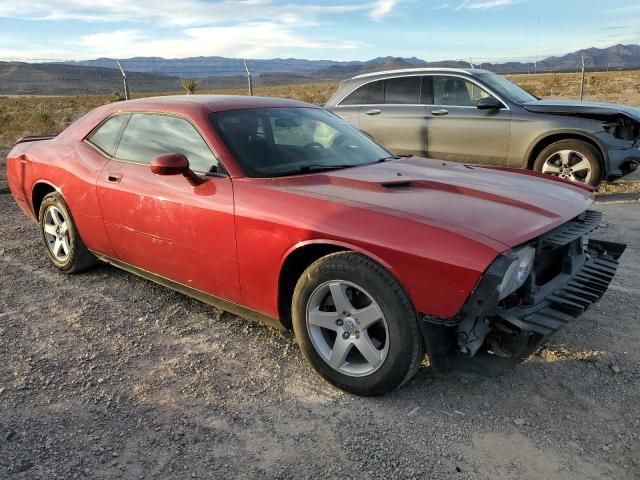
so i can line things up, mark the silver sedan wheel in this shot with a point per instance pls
(570, 165)
(347, 328)
(56, 233)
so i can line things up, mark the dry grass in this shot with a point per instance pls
(612, 87)
(25, 115)
(41, 115)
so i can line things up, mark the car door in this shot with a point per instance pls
(457, 130)
(395, 116)
(164, 224)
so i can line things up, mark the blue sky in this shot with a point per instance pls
(314, 29)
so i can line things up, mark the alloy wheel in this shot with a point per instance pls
(56, 233)
(570, 165)
(347, 328)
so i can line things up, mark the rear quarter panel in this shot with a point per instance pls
(72, 169)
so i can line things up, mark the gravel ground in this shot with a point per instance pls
(106, 375)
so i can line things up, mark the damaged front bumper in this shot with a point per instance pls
(622, 162)
(571, 273)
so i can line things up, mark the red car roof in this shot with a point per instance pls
(213, 103)
(193, 106)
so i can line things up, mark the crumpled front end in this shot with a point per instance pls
(496, 328)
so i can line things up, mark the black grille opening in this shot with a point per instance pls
(549, 264)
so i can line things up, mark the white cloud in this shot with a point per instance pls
(382, 8)
(253, 40)
(176, 12)
(249, 28)
(484, 4)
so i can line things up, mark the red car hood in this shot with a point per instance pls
(507, 206)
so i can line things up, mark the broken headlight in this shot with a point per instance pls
(518, 271)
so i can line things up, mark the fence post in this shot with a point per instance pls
(124, 81)
(248, 78)
(582, 81)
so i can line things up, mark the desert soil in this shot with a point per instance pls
(106, 375)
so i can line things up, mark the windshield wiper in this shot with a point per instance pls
(316, 168)
(386, 159)
(322, 168)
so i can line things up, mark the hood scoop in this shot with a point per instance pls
(401, 185)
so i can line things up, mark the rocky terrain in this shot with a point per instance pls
(106, 375)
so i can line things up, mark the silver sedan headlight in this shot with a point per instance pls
(518, 271)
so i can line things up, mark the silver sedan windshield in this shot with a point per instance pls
(505, 88)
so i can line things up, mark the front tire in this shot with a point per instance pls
(60, 236)
(573, 160)
(355, 324)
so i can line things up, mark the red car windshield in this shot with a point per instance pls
(270, 142)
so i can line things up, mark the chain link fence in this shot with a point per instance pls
(566, 76)
(44, 97)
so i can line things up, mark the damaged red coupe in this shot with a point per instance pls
(280, 211)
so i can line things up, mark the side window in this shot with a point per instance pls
(456, 91)
(148, 135)
(107, 135)
(403, 90)
(369, 94)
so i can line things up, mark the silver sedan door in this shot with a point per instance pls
(397, 120)
(457, 130)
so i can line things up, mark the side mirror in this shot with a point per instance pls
(170, 164)
(490, 103)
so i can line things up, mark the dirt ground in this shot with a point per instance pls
(106, 375)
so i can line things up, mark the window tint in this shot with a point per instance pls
(404, 90)
(369, 94)
(299, 130)
(106, 136)
(456, 91)
(148, 136)
(285, 141)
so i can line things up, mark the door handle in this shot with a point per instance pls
(440, 113)
(114, 177)
(374, 111)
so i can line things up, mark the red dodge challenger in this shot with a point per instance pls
(280, 211)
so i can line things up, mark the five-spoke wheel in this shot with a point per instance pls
(60, 236)
(573, 160)
(356, 325)
(56, 233)
(570, 165)
(347, 328)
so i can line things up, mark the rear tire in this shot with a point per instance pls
(570, 159)
(345, 302)
(60, 236)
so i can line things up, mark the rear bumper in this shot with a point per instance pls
(505, 334)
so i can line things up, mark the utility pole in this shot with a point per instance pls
(582, 81)
(124, 81)
(535, 62)
(248, 78)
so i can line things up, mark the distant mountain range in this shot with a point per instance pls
(202, 67)
(157, 74)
